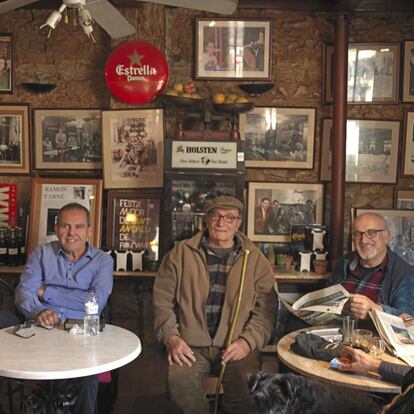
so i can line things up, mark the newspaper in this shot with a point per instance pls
(319, 307)
(398, 337)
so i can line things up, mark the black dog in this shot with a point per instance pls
(293, 394)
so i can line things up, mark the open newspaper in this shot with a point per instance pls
(319, 307)
(398, 337)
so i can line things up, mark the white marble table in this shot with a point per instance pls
(57, 354)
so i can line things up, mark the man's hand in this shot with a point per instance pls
(360, 305)
(179, 352)
(236, 350)
(361, 361)
(48, 318)
(41, 292)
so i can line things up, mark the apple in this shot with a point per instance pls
(196, 96)
(232, 97)
(190, 87)
(179, 87)
(219, 98)
(186, 95)
(171, 92)
(242, 99)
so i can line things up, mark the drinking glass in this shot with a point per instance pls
(377, 346)
(361, 339)
(348, 326)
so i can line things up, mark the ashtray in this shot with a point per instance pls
(182, 101)
(38, 87)
(256, 88)
(234, 107)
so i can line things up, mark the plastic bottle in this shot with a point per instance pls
(91, 318)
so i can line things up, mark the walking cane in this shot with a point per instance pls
(232, 325)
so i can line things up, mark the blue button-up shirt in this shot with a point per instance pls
(66, 283)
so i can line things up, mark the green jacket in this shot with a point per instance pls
(181, 289)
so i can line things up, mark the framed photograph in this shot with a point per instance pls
(133, 148)
(51, 194)
(408, 168)
(404, 198)
(133, 220)
(408, 72)
(274, 207)
(371, 151)
(401, 226)
(68, 139)
(373, 70)
(14, 139)
(6, 63)
(278, 137)
(233, 49)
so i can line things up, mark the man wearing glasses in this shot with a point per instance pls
(195, 295)
(56, 280)
(376, 277)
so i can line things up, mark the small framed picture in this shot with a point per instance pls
(133, 148)
(6, 63)
(134, 220)
(373, 70)
(371, 151)
(404, 198)
(14, 139)
(274, 207)
(278, 137)
(233, 49)
(68, 139)
(51, 194)
(408, 71)
(401, 226)
(408, 168)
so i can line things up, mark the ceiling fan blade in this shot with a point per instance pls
(109, 18)
(215, 6)
(8, 5)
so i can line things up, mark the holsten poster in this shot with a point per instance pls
(136, 224)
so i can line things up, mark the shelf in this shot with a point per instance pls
(11, 269)
(138, 275)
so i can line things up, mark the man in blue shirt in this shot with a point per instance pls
(57, 277)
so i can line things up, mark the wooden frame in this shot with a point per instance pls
(6, 63)
(401, 226)
(14, 139)
(371, 151)
(408, 72)
(296, 204)
(51, 194)
(404, 198)
(373, 70)
(233, 49)
(408, 147)
(68, 139)
(133, 148)
(133, 220)
(279, 137)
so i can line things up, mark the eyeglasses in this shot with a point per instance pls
(22, 331)
(227, 219)
(370, 233)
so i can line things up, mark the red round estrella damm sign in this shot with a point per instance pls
(136, 72)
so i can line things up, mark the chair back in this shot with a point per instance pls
(6, 297)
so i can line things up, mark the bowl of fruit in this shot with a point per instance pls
(231, 103)
(184, 95)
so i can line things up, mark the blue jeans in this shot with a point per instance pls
(186, 383)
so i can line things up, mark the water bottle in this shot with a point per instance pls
(91, 318)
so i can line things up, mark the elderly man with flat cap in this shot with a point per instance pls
(195, 295)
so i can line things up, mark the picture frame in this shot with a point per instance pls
(373, 73)
(68, 139)
(400, 224)
(51, 194)
(408, 72)
(297, 203)
(277, 137)
(371, 151)
(133, 148)
(6, 63)
(14, 141)
(133, 221)
(404, 198)
(233, 49)
(408, 146)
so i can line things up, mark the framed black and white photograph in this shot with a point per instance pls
(373, 70)
(371, 151)
(278, 137)
(14, 139)
(68, 139)
(274, 207)
(401, 226)
(233, 49)
(408, 72)
(408, 152)
(404, 198)
(6, 63)
(133, 148)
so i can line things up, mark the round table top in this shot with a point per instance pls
(321, 371)
(57, 354)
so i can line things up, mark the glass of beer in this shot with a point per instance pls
(361, 339)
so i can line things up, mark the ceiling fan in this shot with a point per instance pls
(109, 18)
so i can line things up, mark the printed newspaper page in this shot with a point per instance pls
(319, 307)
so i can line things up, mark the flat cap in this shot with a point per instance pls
(222, 202)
